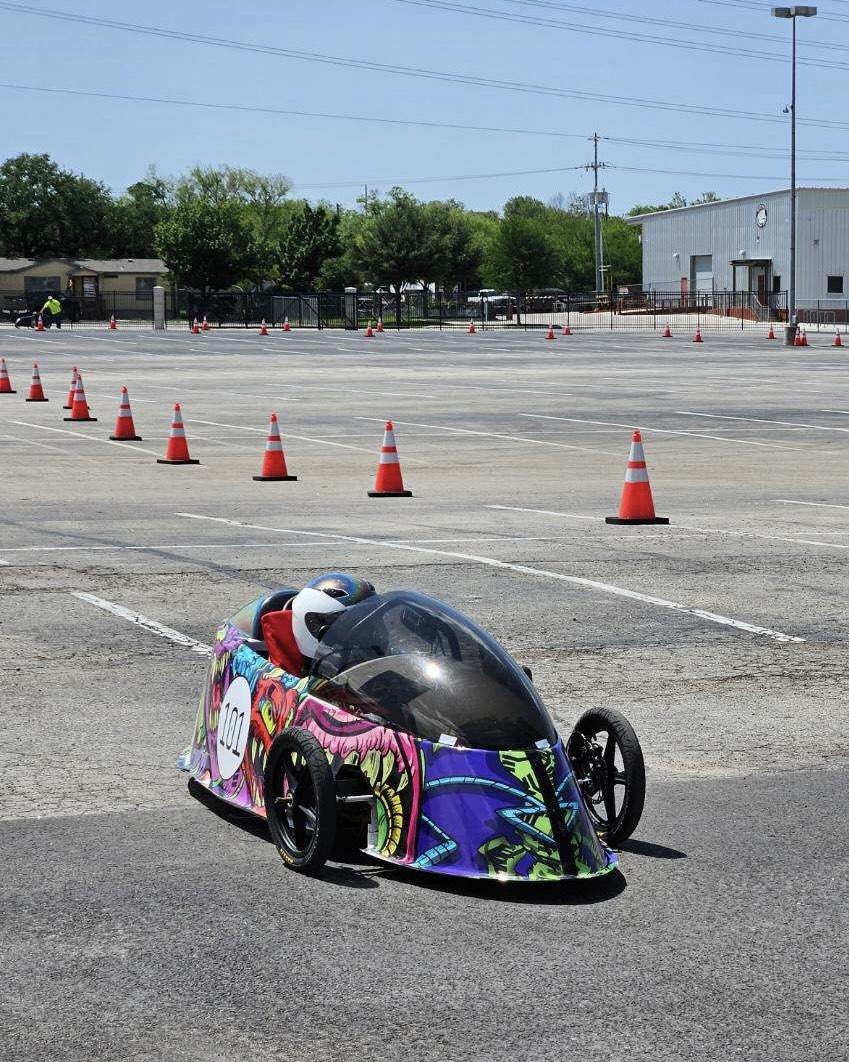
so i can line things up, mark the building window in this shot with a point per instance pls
(776, 284)
(144, 287)
(42, 285)
(89, 287)
(835, 285)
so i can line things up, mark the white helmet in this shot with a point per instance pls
(312, 613)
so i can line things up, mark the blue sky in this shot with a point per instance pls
(117, 140)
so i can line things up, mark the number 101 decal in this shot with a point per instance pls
(234, 723)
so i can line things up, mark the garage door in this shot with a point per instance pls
(702, 272)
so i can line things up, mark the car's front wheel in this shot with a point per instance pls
(300, 800)
(606, 756)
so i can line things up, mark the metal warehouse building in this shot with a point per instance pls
(743, 246)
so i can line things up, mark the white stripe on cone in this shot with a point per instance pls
(636, 475)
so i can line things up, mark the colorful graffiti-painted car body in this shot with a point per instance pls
(415, 729)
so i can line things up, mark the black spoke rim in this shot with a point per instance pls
(598, 775)
(296, 803)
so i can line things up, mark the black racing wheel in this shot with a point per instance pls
(608, 762)
(300, 800)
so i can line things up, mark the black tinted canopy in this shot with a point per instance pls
(418, 665)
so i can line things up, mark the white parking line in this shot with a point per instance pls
(254, 545)
(687, 527)
(147, 624)
(88, 438)
(497, 435)
(816, 505)
(630, 425)
(491, 562)
(286, 434)
(760, 420)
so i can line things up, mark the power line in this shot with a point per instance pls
(595, 31)
(437, 180)
(687, 146)
(285, 113)
(761, 9)
(666, 23)
(415, 72)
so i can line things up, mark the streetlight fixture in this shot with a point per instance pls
(792, 13)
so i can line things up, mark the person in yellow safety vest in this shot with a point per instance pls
(54, 308)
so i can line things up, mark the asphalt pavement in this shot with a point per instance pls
(139, 924)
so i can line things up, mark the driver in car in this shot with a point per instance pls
(293, 633)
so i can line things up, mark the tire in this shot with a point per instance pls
(592, 748)
(303, 831)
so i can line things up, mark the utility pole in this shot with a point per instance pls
(598, 199)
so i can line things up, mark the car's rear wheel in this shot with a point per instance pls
(300, 800)
(608, 762)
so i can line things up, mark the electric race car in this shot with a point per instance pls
(415, 730)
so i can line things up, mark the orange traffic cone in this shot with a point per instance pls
(797, 339)
(380, 324)
(5, 383)
(697, 338)
(195, 327)
(39, 324)
(204, 324)
(667, 332)
(124, 427)
(263, 328)
(177, 451)
(274, 462)
(369, 332)
(771, 333)
(69, 401)
(113, 324)
(286, 326)
(472, 328)
(550, 333)
(636, 505)
(79, 408)
(388, 482)
(838, 342)
(804, 342)
(566, 330)
(36, 391)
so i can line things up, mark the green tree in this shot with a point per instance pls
(136, 215)
(523, 254)
(622, 252)
(259, 199)
(455, 253)
(206, 245)
(309, 239)
(674, 203)
(392, 244)
(45, 210)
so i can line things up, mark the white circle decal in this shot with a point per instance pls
(234, 723)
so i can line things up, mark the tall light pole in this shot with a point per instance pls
(792, 13)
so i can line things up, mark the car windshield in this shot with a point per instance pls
(418, 665)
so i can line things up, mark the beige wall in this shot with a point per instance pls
(14, 283)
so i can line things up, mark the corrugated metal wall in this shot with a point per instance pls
(722, 230)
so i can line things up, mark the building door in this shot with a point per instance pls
(760, 282)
